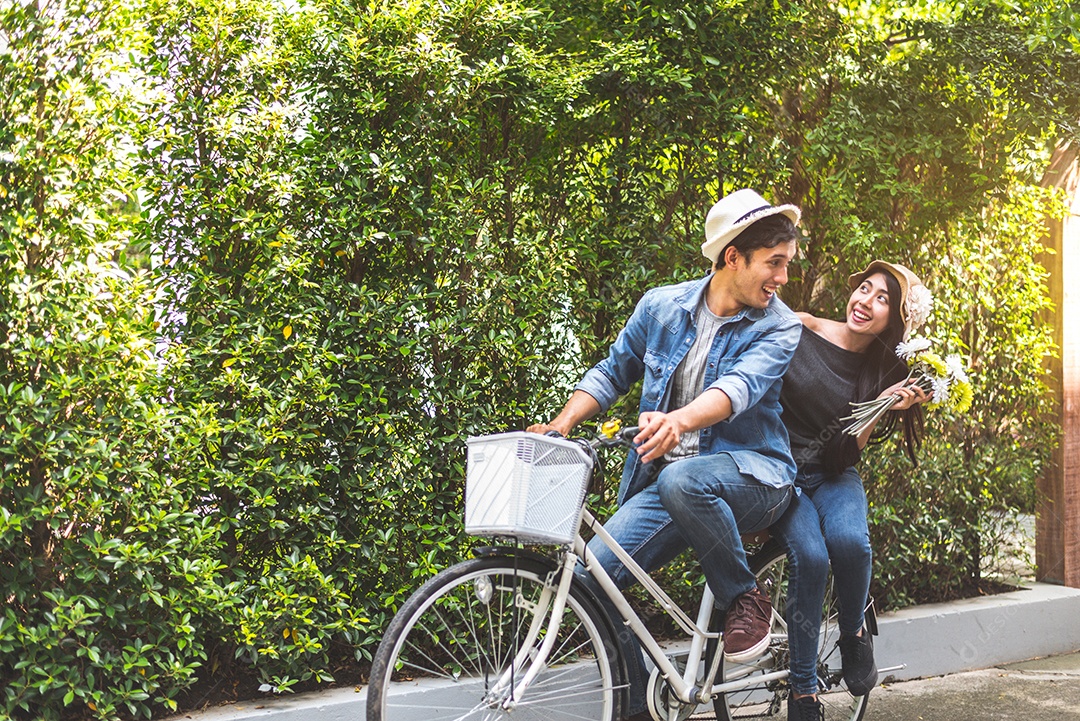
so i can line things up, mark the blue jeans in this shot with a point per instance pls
(827, 522)
(705, 499)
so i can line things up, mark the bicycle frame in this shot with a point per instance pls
(684, 684)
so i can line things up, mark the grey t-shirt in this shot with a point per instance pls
(818, 388)
(688, 381)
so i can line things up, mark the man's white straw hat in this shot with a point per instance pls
(735, 212)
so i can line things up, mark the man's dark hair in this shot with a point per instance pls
(768, 232)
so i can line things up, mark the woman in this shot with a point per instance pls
(838, 362)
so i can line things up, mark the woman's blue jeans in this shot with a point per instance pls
(706, 500)
(827, 522)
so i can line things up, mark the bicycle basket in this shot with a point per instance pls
(525, 485)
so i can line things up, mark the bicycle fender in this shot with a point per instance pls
(487, 551)
(870, 616)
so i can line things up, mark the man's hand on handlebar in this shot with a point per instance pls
(578, 409)
(543, 429)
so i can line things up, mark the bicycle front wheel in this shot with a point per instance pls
(767, 698)
(458, 646)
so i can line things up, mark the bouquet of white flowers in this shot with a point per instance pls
(944, 378)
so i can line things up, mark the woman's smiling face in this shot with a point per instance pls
(868, 306)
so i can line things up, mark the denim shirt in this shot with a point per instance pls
(747, 360)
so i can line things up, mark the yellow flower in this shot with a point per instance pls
(935, 363)
(961, 397)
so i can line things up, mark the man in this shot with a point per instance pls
(711, 458)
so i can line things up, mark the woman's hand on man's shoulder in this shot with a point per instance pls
(810, 321)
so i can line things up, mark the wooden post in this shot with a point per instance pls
(1057, 525)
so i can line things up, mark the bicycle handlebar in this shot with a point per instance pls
(623, 437)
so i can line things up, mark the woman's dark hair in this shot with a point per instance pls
(881, 368)
(768, 232)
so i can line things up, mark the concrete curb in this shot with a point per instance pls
(931, 640)
(942, 638)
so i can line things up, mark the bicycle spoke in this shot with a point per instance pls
(556, 679)
(539, 694)
(570, 653)
(471, 625)
(435, 669)
(561, 692)
(508, 596)
(557, 653)
(428, 671)
(450, 632)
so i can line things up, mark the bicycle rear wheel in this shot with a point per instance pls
(448, 652)
(767, 699)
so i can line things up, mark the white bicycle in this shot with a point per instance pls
(512, 634)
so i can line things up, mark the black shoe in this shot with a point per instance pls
(806, 708)
(857, 654)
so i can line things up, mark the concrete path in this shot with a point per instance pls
(1043, 690)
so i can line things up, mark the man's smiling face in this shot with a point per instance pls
(758, 278)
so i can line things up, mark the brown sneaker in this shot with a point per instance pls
(746, 631)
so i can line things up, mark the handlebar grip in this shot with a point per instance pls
(554, 434)
(627, 434)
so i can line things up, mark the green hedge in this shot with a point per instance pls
(263, 270)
